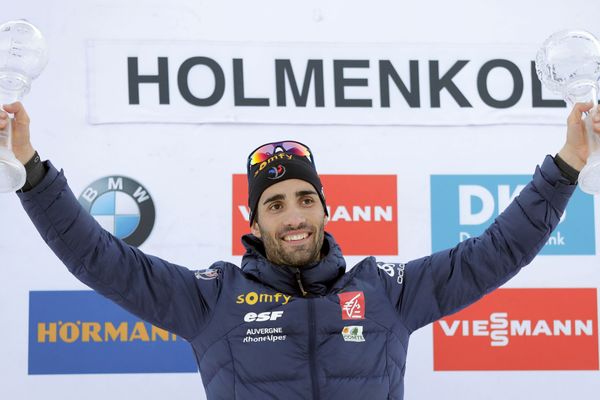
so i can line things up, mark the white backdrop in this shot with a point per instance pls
(193, 226)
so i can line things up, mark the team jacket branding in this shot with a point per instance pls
(521, 329)
(463, 206)
(394, 270)
(352, 213)
(353, 334)
(263, 316)
(353, 305)
(207, 274)
(259, 335)
(252, 298)
(80, 332)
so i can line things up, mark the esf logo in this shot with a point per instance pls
(263, 316)
(252, 298)
(121, 206)
(463, 206)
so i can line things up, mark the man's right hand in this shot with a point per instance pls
(21, 145)
(576, 150)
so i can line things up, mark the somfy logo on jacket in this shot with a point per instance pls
(122, 206)
(521, 329)
(371, 209)
(463, 206)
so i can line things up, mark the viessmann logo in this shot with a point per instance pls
(463, 206)
(363, 221)
(521, 329)
(80, 332)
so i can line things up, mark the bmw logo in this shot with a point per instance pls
(121, 206)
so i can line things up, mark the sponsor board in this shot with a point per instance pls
(317, 83)
(363, 221)
(122, 206)
(521, 329)
(81, 332)
(463, 206)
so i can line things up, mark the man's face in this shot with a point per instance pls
(290, 221)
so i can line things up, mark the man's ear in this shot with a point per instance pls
(326, 219)
(254, 229)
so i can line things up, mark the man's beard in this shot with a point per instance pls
(301, 256)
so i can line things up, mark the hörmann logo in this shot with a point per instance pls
(81, 332)
(521, 329)
(463, 206)
(363, 221)
(86, 331)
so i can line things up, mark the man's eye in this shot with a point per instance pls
(308, 201)
(275, 207)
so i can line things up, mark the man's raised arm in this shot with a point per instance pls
(164, 294)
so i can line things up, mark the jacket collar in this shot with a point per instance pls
(316, 279)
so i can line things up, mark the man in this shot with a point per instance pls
(291, 323)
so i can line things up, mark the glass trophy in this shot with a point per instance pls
(23, 56)
(569, 63)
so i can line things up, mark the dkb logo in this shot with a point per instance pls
(463, 206)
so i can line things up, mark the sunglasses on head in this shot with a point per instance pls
(268, 150)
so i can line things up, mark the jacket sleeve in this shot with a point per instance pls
(164, 294)
(449, 280)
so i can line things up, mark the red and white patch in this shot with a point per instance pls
(353, 305)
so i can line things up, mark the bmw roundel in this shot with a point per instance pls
(122, 206)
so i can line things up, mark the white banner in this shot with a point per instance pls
(367, 84)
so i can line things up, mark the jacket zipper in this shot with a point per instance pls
(312, 332)
(299, 281)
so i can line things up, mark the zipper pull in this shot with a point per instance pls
(299, 280)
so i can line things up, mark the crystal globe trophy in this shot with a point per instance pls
(569, 63)
(23, 56)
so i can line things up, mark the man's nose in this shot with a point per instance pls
(295, 217)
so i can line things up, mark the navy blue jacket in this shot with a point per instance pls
(253, 333)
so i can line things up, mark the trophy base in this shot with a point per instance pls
(12, 172)
(589, 177)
